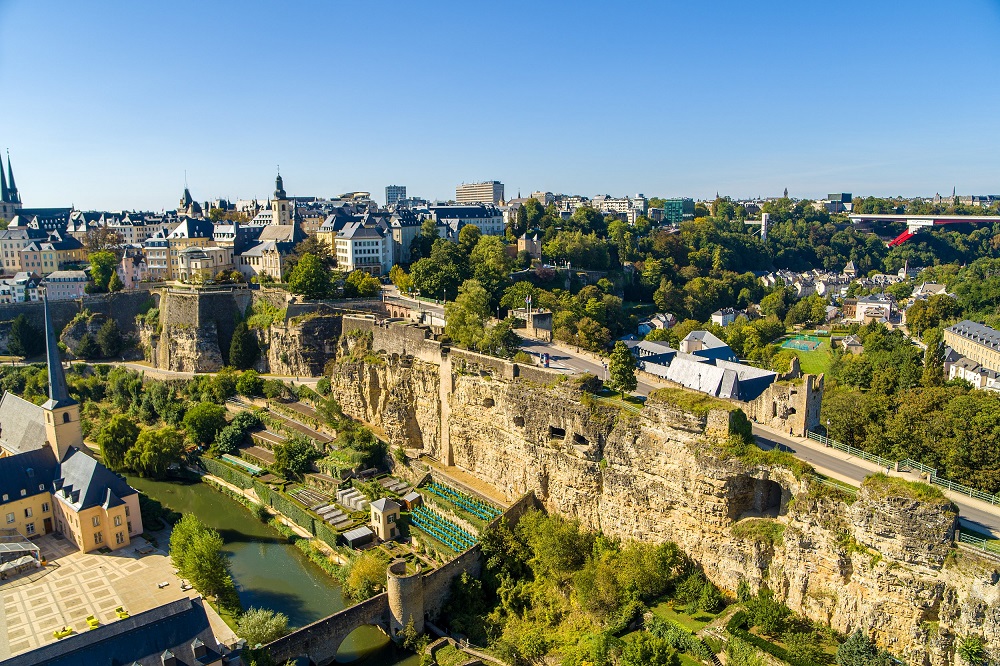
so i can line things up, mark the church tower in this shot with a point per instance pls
(281, 207)
(62, 413)
(10, 200)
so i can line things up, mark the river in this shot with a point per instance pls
(270, 572)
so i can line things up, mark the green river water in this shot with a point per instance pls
(270, 572)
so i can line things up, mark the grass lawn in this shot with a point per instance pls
(449, 656)
(692, 622)
(816, 361)
(688, 661)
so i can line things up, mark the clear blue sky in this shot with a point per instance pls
(106, 104)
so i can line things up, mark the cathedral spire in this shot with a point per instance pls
(279, 186)
(58, 393)
(11, 187)
(4, 194)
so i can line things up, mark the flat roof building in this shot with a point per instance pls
(489, 192)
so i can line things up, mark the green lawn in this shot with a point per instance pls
(688, 661)
(449, 656)
(692, 622)
(816, 361)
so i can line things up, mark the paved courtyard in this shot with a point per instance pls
(75, 585)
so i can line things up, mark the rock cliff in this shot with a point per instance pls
(878, 561)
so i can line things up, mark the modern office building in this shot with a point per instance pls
(489, 192)
(676, 211)
(394, 194)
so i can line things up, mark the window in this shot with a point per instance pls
(23, 492)
(118, 521)
(6, 497)
(29, 528)
(130, 527)
(96, 520)
(27, 512)
(391, 518)
(10, 517)
(98, 537)
(45, 507)
(120, 538)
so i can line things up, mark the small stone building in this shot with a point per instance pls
(385, 516)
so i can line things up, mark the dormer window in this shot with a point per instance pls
(23, 492)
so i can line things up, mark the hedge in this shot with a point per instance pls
(227, 473)
(679, 637)
(735, 628)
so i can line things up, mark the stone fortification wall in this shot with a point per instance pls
(121, 306)
(879, 563)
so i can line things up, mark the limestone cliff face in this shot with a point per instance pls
(872, 562)
(299, 347)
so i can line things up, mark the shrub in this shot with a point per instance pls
(259, 626)
(250, 384)
(365, 575)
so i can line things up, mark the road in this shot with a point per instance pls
(834, 463)
(565, 359)
(973, 514)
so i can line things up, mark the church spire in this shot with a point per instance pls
(11, 188)
(4, 194)
(58, 393)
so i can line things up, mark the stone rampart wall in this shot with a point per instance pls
(122, 307)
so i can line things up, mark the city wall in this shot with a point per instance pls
(121, 306)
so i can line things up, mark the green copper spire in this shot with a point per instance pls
(4, 194)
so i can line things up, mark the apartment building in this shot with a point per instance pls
(488, 192)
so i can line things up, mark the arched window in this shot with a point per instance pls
(65, 417)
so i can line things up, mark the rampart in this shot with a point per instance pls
(121, 306)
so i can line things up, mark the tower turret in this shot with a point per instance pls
(280, 205)
(62, 413)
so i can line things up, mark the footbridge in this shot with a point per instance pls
(914, 223)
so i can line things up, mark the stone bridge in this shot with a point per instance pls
(417, 596)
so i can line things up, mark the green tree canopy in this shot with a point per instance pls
(204, 421)
(154, 451)
(621, 369)
(102, 267)
(310, 278)
(109, 339)
(467, 315)
(115, 438)
(260, 626)
(25, 340)
(243, 348)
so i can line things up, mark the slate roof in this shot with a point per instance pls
(82, 482)
(22, 424)
(139, 639)
(385, 504)
(707, 339)
(281, 233)
(359, 230)
(976, 332)
(31, 471)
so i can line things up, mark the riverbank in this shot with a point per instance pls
(271, 572)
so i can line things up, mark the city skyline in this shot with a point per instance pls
(742, 100)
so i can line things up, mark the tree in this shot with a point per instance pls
(516, 295)
(115, 283)
(933, 372)
(101, 239)
(490, 265)
(645, 649)
(400, 278)
(360, 283)
(115, 438)
(314, 246)
(155, 451)
(102, 266)
(466, 316)
(294, 458)
(766, 613)
(420, 247)
(260, 626)
(24, 340)
(469, 237)
(109, 339)
(249, 384)
(88, 347)
(310, 278)
(365, 575)
(500, 340)
(441, 273)
(621, 369)
(196, 552)
(858, 650)
(204, 421)
(243, 348)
